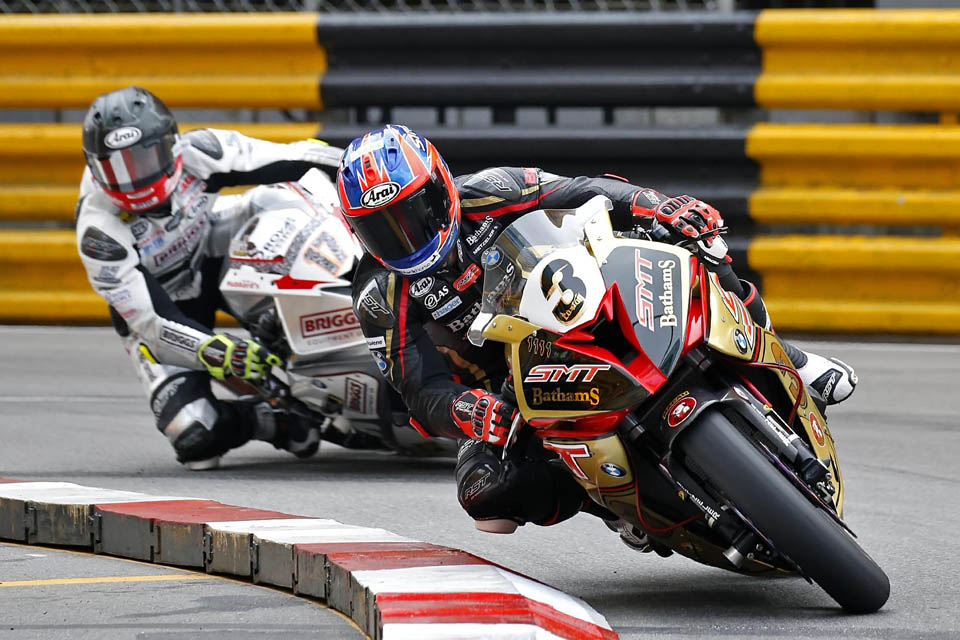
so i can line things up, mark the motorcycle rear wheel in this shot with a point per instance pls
(798, 528)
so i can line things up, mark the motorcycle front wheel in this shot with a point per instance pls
(823, 550)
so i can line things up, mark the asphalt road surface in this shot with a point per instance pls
(72, 410)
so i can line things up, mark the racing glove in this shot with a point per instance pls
(225, 355)
(687, 218)
(482, 415)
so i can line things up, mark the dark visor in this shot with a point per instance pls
(401, 229)
(136, 167)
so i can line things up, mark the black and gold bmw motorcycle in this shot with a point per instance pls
(667, 403)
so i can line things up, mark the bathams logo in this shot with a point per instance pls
(123, 137)
(379, 195)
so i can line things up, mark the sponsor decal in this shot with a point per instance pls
(139, 228)
(739, 312)
(99, 246)
(652, 196)
(569, 454)
(642, 273)
(123, 137)
(373, 307)
(590, 396)
(494, 180)
(381, 361)
(465, 320)
(356, 392)
(529, 175)
(492, 257)
(242, 284)
(564, 373)
(680, 411)
(740, 392)
(377, 342)
(612, 470)
(379, 195)
(419, 288)
(325, 252)
(446, 308)
(432, 300)
(328, 322)
(558, 276)
(117, 296)
(668, 318)
(828, 387)
(467, 278)
(108, 275)
(539, 346)
(740, 340)
(178, 340)
(277, 238)
(166, 392)
(140, 205)
(816, 428)
(478, 233)
(182, 245)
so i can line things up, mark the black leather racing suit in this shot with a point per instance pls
(416, 330)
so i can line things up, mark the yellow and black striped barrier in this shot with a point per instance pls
(875, 179)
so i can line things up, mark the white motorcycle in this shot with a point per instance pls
(287, 280)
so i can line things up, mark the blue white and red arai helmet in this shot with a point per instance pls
(398, 196)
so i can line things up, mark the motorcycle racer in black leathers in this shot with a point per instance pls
(418, 288)
(152, 238)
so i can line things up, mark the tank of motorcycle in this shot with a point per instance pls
(297, 260)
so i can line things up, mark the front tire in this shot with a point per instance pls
(797, 527)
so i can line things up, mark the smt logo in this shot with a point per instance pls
(321, 324)
(379, 195)
(563, 373)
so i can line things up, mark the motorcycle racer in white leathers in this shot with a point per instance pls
(153, 243)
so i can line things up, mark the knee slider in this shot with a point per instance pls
(196, 442)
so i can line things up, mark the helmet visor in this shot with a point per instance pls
(400, 230)
(134, 168)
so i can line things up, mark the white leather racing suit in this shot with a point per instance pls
(159, 273)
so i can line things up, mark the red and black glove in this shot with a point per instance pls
(482, 415)
(687, 218)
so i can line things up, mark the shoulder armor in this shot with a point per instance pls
(99, 246)
(370, 304)
(206, 142)
(503, 182)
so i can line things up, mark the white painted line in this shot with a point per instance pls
(69, 493)
(306, 530)
(466, 631)
(475, 579)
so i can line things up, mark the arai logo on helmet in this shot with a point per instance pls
(123, 137)
(379, 195)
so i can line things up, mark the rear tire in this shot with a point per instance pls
(797, 527)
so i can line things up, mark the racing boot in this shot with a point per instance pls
(286, 430)
(832, 379)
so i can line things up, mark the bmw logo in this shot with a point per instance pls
(491, 257)
(612, 470)
(740, 340)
